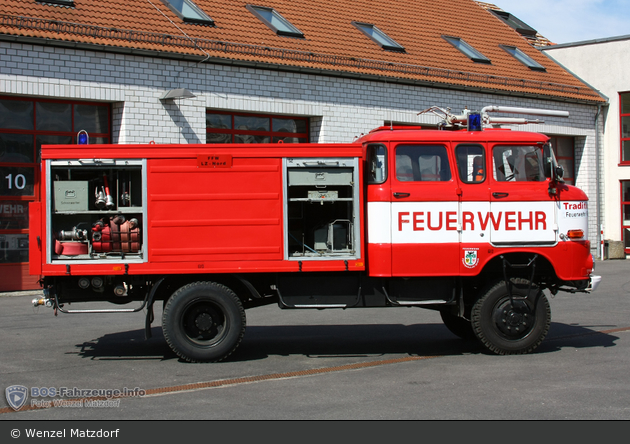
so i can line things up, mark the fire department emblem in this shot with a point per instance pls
(470, 258)
(16, 396)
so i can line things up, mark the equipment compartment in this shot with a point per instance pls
(321, 202)
(96, 210)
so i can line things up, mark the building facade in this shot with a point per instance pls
(604, 64)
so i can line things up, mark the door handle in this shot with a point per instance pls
(500, 195)
(399, 195)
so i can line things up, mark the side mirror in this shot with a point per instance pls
(559, 173)
(552, 170)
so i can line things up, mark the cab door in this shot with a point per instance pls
(424, 210)
(522, 211)
(472, 168)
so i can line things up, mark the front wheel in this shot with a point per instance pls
(511, 326)
(203, 322)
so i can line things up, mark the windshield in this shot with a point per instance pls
(518, 163)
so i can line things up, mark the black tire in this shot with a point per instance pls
(507, 329)
(458, 326)
(203, 322)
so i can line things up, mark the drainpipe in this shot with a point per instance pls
(597, 163)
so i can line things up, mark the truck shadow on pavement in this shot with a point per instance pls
(318, 341)
(128, 345)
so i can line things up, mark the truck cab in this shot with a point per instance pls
(448, 203)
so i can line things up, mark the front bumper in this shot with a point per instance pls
(593, 283)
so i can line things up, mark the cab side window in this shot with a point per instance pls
(471, 163)
(416, 163)
(518, 163)
(376, 164)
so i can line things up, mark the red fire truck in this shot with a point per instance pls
(474, 223)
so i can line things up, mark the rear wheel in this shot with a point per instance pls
(203, 322)
(510, 327)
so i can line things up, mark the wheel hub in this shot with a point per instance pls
(204, 322)
(513, 321)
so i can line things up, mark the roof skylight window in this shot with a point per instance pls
(275, 21)
(516, 24)
(57, 2)
(523, 58)
(466, 49)
(188, 12)
(379, 37)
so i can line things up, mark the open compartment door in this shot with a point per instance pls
(322, 209)
(35, 238)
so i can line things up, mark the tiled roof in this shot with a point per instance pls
(330, 43)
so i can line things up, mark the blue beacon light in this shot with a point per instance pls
(83, 138)
(474, 122)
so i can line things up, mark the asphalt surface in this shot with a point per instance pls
(359, 364)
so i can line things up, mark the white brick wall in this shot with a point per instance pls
(340, 109)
